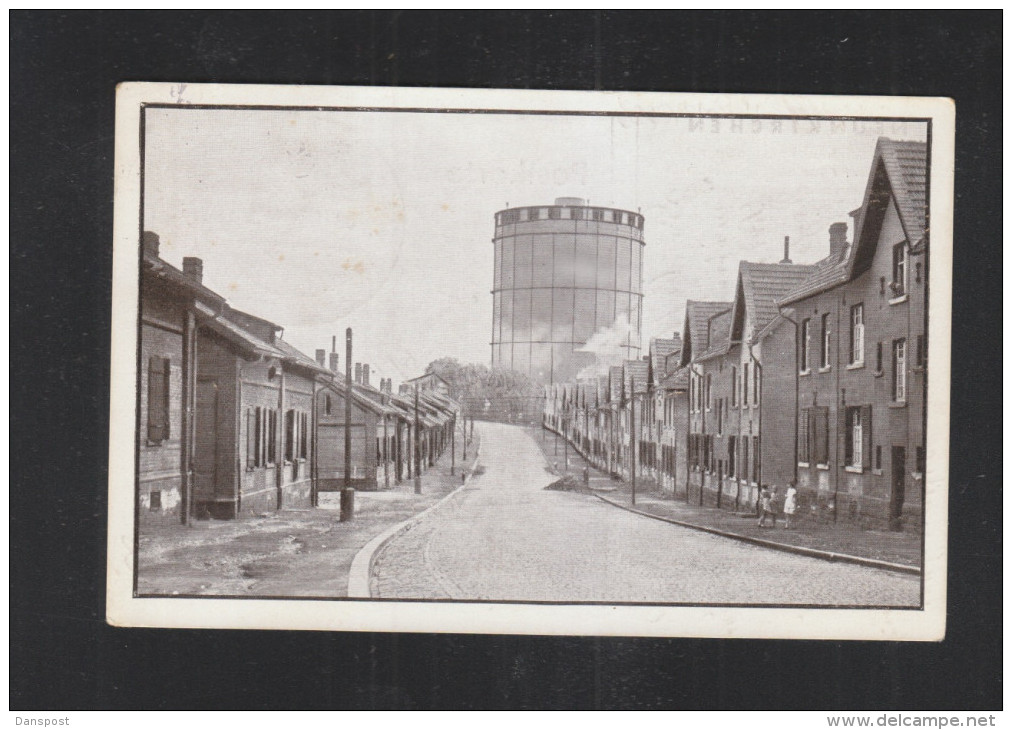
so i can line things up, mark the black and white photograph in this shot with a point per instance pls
(407, 352)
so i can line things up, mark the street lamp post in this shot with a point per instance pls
(632, 436)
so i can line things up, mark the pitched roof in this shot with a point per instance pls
(635, 373)
(678, 380)
(696, 329)
(760, 286)
(899, 173)
(718, 335)
(660, 348)
(296, 357)
(907, 166)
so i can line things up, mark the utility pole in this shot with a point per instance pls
(632, 435)
(453, 445)
(418, 448)
(347, 408)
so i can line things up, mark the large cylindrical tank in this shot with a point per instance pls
(563, 274)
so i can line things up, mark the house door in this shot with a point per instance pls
(205, 447)
(899, 468)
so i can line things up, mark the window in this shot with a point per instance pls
(732, 456)
(878, 458)
(709, 390)
(920, 355)
(533, 213)
(597, 214)
(826, 338)
(919, 464)
(734, 386)
(857, 334)
(576, 213)
(858, 436)
(804, 436)
(899, 285)
(899, 370)
(806, 337)
(878, 357)
(616, 216)
(744, 385)
(555, 213)
(159, 369)
(756, 375)
(720, 416)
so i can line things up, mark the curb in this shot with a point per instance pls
(361, 566)
(795, 549)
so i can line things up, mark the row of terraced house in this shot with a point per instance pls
(233, 421)
(811, 373)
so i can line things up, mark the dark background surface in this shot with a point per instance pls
(64, 68)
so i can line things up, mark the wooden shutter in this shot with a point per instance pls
(251, 436)
(158, 399)
(803, 435)
(821, 429)
(289, 435)
(866, 441)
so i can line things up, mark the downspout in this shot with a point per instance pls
(279, 441)
(702, 422)
(757, 371)
(797, 347)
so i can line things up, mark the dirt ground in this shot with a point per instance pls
(304, 553)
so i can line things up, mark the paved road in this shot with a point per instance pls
(504, 537)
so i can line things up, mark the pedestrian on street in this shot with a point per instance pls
(765, 505)
(790, 504)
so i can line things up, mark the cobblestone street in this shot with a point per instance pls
(504, 537)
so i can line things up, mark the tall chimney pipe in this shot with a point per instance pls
(333, 343)
(321, 358)
(358, 373)
(787, 250)
(365, 374)
(334, 363)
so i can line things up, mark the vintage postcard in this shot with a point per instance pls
(590, 363)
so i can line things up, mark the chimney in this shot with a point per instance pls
(334, 357)
(358, 372)
(321, 358)
(787, 250)
(193, 268)
(365, 374)
(150, 243)
(837, 239)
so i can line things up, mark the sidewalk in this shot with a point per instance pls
(305, 552)
(900, 548)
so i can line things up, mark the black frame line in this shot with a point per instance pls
(144, 106)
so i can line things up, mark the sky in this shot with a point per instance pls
(382, 221)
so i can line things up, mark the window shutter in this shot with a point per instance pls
(251, 426)
(290, 435)
(845, 430)
(158, 399)
(866, 436)
(822, 435)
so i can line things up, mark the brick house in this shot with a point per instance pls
(166, 369)
(224, 402)
(707, 330)
(253, 418)
(862, 353)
